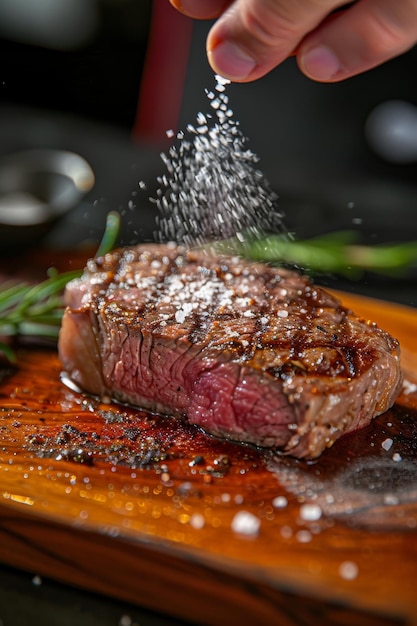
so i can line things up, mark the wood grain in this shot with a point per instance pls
(143, 508)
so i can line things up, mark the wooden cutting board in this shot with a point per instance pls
(155, 512)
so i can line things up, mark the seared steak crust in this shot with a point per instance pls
(243, 350)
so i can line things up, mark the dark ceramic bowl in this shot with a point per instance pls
(37, 187)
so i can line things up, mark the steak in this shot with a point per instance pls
(245, 351)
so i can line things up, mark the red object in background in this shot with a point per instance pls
(164, 73)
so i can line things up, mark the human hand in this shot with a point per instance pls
(251, 37)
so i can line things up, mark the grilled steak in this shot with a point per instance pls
(243, 350)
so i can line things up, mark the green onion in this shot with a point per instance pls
(339, 252)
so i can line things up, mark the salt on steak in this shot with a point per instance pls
(243, 350)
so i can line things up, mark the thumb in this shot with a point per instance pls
(251, 37)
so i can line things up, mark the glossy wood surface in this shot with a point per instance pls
(144, 508)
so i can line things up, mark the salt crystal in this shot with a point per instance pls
(409, 387)
(180, 316)
(245, 523)
(310, 512)
(197, 521)
(280, 502)
(348, 570)
(387, 444)
(397, 457)
(282, 313)
(286, 532)
(304, 536)
(390, 499)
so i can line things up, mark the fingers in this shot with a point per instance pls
(367, 34)
(253, 36)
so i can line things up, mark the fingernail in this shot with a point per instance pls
(320, 63)
(230, 61)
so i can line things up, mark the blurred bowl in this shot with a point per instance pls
(37, 187)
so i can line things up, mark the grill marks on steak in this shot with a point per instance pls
(246, 351)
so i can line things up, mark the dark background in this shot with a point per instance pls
(313, 147)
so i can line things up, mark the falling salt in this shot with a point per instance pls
(245, 523)
(37, 581)
(397, 458)
(213, 189)
(348, 570)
